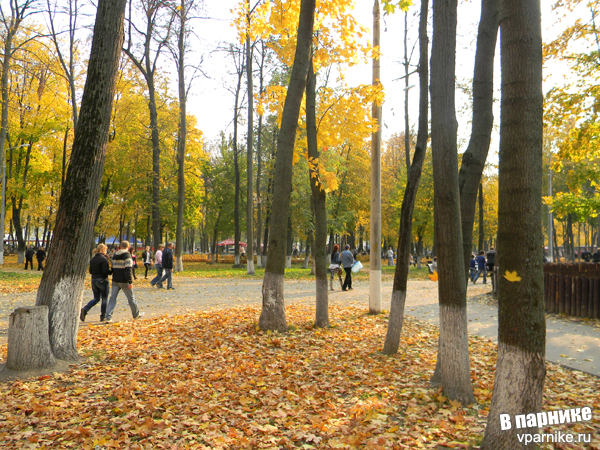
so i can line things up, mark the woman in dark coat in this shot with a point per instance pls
(100, 272)
(40, 256)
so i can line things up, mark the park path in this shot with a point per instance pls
(570, 343)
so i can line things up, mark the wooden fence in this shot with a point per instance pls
(573, 289)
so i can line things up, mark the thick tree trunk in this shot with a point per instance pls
(453, 352)
(319, 198)
(520, 368)
(61, 287)
(272, 316)
(28, 344)
(288, 251)
(156, 231)
(473, 160)
(392, 339)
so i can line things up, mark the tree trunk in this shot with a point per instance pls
(182, 138)
(319, 198)
(520, 367)
(481, 230)
(61, 287)
(392, 339)
(473, 160)
(453, 354)
(375, 256)
(272, 316)
(249, 159)
(28, 344)
(236, 168)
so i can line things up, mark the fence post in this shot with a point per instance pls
(568, 291)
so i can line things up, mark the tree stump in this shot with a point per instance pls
(28, 339)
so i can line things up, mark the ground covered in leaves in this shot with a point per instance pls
(212, 380)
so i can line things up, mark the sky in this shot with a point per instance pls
(212, 103)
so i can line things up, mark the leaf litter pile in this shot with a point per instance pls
(213, 380)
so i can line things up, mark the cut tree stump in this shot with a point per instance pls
(28, 339)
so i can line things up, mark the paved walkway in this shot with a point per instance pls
(573, 344)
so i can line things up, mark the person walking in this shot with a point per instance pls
(347, 262)
(167, 265)
(134, 259)
(334, 267)
(597, 256)
(29, 257)
(586, 255)
(390, 256)
(147, 259)
(158, 265)
(122, 280)
(40, 255)
(481, 266)
(100, 271)
(472, 267)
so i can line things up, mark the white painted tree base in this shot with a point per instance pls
(374, 291)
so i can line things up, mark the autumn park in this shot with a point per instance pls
(300, 224)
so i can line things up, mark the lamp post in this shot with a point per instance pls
(3, 207)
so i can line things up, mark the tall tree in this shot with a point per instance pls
(179, 52)
(473, 160)
(399, 289)
(520, 366)
(272, 316)
(453, 350)
(11, 23)
(249, 153)
(61, 288)
(319, 198)
(146, 63)
(375, 253)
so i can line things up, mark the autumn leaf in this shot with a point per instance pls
(512, 276)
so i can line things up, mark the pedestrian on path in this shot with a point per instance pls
(390, 256)
(481, 266)
(29, 257)
(472, 267)
(41, 257)
(147, 259)
(334, 267)
(347, 262)
(158, 265)
(167, 265)
(100, 271)
(122, 280)
(597, 256)
(134, 259)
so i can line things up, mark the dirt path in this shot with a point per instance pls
(573, 344)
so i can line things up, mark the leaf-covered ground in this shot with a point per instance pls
(212, 380)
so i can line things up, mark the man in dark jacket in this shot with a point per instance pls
(122, 266)
(167, 265)
(41, 256)
(29, 257)
(347, 262)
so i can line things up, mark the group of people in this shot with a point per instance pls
(481, 266)
(587, 256)
(344, 261)
(121, 264)
(40, 255)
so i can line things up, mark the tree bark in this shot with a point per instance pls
(392, 339)
(61, 287)
(272, 316)
(319, 198)
(236, 167)
(375, 256)
(182, 138)
(481, 230)
(453, 353)
(520, 367)
(28, 344)
(249, 159)
(473, 160)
